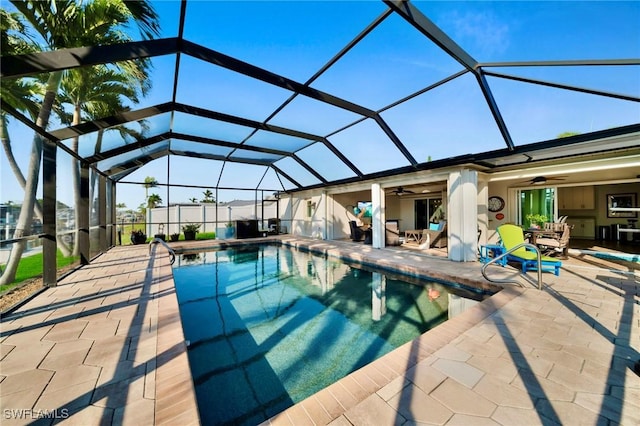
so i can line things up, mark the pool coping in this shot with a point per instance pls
(175, 392)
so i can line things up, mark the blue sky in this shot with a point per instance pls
(296, 38)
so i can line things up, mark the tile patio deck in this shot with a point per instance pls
(106, 347)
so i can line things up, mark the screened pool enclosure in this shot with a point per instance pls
(268, 102)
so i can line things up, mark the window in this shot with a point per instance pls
(536, 202)
(428, 210)
(311, 208)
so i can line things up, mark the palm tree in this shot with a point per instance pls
(149, 182)
(19, 94)
(194, 200)
(567, 134)
(208, 197)
(153, 201)
(142, 212)
(97, 92)
(22, 94)
(65, 24)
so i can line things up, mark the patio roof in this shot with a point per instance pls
(275, 104)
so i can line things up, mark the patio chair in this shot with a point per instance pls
(559, 243)
(356, 232)
(553, 226)
(511, 236)
(437, 233)
(391, 233)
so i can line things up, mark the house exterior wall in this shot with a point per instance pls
(308, 214)
(506, 215)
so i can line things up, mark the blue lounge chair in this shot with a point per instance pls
(511, 236)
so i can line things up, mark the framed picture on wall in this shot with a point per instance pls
(620, 205)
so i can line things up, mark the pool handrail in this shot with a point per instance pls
(511, 250)
(172, 253)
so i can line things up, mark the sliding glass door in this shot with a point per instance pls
(428, 210)
(536, 206)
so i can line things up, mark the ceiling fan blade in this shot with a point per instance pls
(400, 190)
(543, 179)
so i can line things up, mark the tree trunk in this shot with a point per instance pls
(6, 144)
(23, 226)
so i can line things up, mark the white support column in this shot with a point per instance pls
(179, 218)
(321, 231)
(462, 213)
(329, 216)
(483, 211)
(378, 215)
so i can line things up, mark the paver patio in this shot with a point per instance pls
(106, 347)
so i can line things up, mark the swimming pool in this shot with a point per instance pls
(269, 326)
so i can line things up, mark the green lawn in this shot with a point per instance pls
(31, 267)
(203, 236)
(199, 236)
(126, 231)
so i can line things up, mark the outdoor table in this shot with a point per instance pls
(413, 234)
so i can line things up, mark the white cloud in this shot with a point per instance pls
(482, 34)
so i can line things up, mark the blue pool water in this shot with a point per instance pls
(268, 326)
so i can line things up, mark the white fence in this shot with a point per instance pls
(212, 217)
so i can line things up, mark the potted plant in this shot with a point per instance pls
(535, 219)
(174, 236)
(160, 235)
(190, 230)
(138, 236)
(228, 233)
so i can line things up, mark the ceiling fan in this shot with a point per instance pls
(540, 180)
(401, 191)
